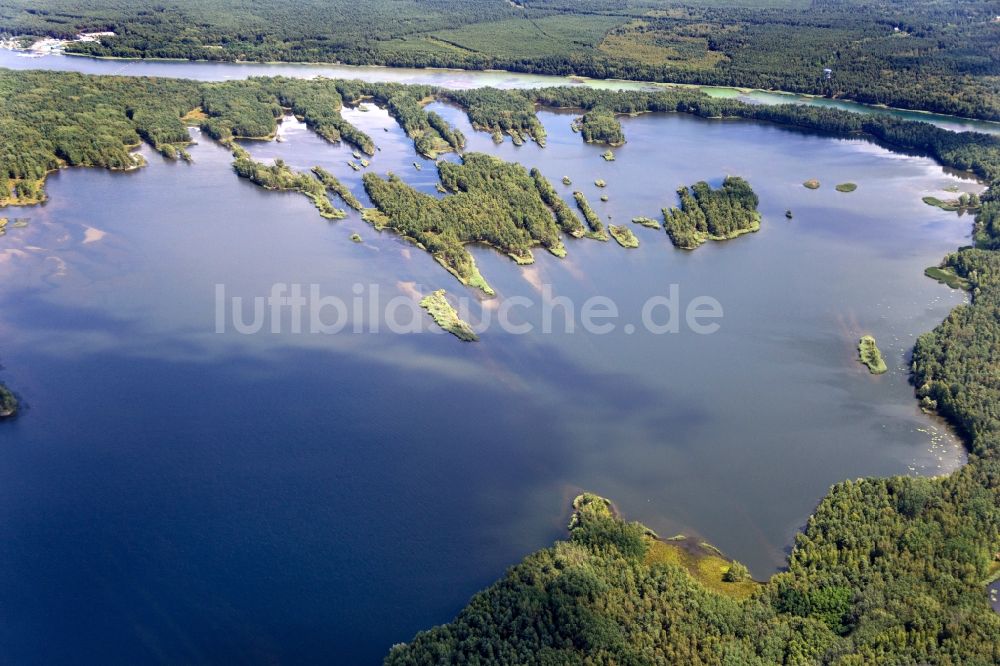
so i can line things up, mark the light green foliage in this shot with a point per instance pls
(869, 354)
(446, 316)
(623, 235)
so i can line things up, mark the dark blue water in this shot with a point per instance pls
(175, 494)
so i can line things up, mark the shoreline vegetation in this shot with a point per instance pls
(251, 108)
(870, 355)
(445, 316)
(867, 47)
(947, 276)
(964, 203)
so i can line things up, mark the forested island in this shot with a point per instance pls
(489, 201)
(918, 55)
(886, 570)
(712, 214)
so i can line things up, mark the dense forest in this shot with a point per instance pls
(600, 126)
(490, 201)
(712, 214)
(500, 112)
(886, 571)
(920, 54)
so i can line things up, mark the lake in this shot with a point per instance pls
(175, 493)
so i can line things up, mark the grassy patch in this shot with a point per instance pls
(704, 564)
(948, 277)
(661, 44)
(24, 192)
(195, 117)
(965, 202)
(869, 354)
(446, 317)
(646, 222)
(623, 235)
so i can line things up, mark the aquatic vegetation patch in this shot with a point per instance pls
(623, 235)
(446, 316)
(871, 356)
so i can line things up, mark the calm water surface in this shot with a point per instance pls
(176, 494)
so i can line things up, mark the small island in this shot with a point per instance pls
(869, 354)
(847, 187)
(712, 214)
(623, 235)
(646, 222)
(600, 182)
(8, 403)
(566, 180)
(446, 316)
(356, 238)
(609, 155)
(812, 184)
